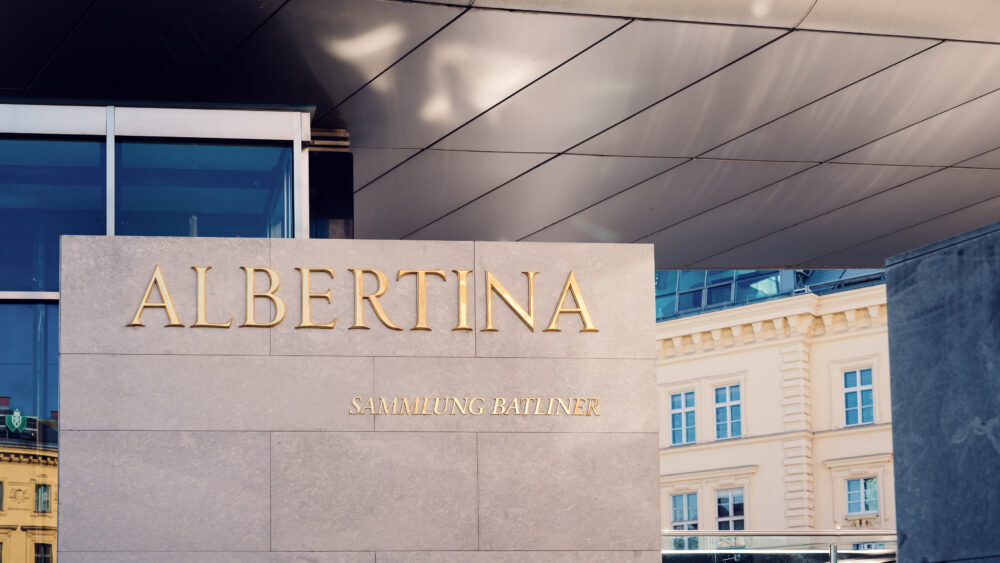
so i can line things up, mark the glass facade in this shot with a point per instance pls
(48, 187)
(691, 292)
(203, 189)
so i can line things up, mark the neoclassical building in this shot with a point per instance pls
(776, 415)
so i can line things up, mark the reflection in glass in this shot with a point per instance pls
(203, 189)
(29, 427)
(47, 188)
(29, 362)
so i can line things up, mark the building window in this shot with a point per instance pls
(43, 501)
(682, 418)
(727, 412)
(862, 496)
(43, 553)
(203, 189)
(685, 517)
(859, 402)
(729, 503)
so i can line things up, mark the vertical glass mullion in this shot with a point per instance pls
(109, 174)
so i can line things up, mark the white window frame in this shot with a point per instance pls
(836, 370)
(727, 405)
(683, 410)
(732, 518)
(686, 507)
(844, 469)
(862, 481)
(858, 390)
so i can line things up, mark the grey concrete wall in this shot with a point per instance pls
(944, 341)
(204, 444)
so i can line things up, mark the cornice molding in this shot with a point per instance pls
(800, 316)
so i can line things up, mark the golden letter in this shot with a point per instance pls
(355, 406)
(578, 406)
(463, 300)
(308, 296)
(421, 293)
(167, 304)
(498, 403)
(360, 296)
(474, 409)
(202, 319)
(274, 283)
(492, 285)
(580, 309)
(592, 407)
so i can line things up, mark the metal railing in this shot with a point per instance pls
(766, 546)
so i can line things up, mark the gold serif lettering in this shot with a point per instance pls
(580, 309)
(167, 304)
(252, 295)
(308, 296)
(360, 296)
(202, 314)
(421, 293)
(493, 286)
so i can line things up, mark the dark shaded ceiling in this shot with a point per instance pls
(796, 133)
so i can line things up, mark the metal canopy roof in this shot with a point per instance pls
(791, 133)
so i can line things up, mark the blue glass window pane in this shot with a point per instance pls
(720, 294)
(677, 501)
(689, 418)
(666, 305)
(719, 276)
(47, 188)
(720, 414)
(737, 524)
(737, 429)
(756, 288)
(675, 401)
(666, 281)
(734, 412)
(866, 377)
(850, 379)
(866, 397)
(852, 416)
(692, 499)
(867, 414)
(724, 525)
(854, 507)
(690, 279)
(853, 485)
(723, 507)
(689, 435)
(675, 420)
(851, 400)
(29, 369)
(690, 300)
(720, 395)
(689, 399)
(675, 437)
(720, 431)
(203, 189)
(734, 392)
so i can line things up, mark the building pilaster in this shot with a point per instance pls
(796, 416)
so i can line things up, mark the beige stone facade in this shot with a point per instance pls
(798, 451)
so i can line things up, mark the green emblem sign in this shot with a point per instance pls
(15, 422)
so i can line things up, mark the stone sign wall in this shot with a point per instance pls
(410, 401)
